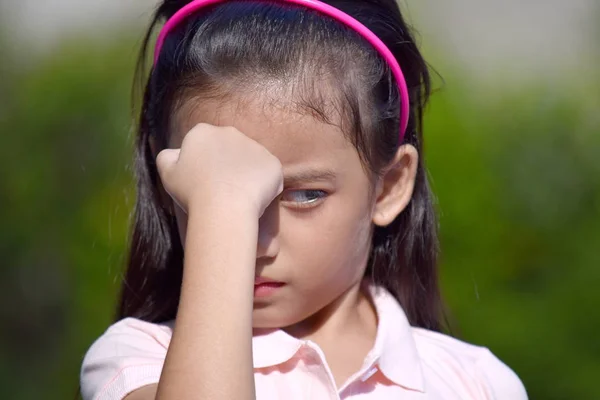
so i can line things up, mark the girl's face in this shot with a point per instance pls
(316, 237)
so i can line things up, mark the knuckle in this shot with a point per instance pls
(200, 126)
(186, 139)
(163, 161)
(197, 131)
(160, 159)
(275, 162)
(231, 130)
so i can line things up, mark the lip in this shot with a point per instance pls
(259, 280)
(265, 287)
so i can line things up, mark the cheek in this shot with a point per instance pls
(331, 245)
(353, 240)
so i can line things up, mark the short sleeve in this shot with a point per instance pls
(502, 382)
(128, 356)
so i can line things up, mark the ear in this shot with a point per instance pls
(166, 200)
(395, 186)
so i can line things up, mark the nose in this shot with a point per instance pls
(268, 232)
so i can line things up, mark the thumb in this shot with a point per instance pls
(166, 159)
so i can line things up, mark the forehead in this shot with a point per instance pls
(296, 138)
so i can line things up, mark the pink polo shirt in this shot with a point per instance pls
(405, 363)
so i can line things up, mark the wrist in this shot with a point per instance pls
(221, 233)
(223, 206)
(224, 197)
(219, 222)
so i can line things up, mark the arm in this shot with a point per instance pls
(144, 393)
(224, 181)
(210, 355)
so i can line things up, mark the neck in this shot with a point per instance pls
(351, 311)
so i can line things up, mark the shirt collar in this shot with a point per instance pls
(273, 347)
(395, 351)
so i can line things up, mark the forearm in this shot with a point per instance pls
(210, 355)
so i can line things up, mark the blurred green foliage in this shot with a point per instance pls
(516, 173)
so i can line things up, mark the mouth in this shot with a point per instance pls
(264, 287)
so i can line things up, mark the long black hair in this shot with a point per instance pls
(232, 47)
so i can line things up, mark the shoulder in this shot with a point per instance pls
(450, 356)
(127, 356)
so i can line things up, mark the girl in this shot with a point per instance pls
(284, 240)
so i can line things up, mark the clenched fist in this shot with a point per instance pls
(220, 164)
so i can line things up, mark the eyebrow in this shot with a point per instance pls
(309, 175)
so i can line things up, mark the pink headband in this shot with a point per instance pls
(326, 9)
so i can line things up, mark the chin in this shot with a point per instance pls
(267, 317)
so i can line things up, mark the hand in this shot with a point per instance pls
(220, 164)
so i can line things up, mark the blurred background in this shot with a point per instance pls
(513, 148)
